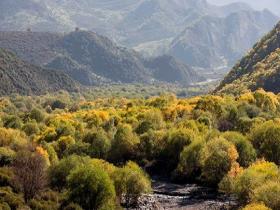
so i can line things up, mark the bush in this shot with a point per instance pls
(256, 206)
(189, 165)
(37, 115)
(31, 128)
(63, 144)
(14, 201)
(91, 188)
(252, 178)
(268, 194)
(124, 144)
(99, 144)
(58, 173)
(6, 176)
(176, 141)
(7, 155)
(216, 160)
(246, 151)
(151, 120)
(73, 206)
(266, 139)
(12, 138)
(131, 182)
(12, 121)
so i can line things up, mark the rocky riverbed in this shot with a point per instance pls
(184, 197)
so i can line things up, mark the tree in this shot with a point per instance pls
(58, 172)
(253, 177)
(91, 188)
(124, 144)
(176, 141)
(247, 153)
(99, 144)
(189, 165)
(30, 173)
(130, 183)
(266, 139)
(37, 115)
(216, 160)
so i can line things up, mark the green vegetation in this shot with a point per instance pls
(91, 154)
(258, 69)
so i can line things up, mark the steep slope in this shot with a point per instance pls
(215, 42)
(260, 68)
(17, 76)
(167, 68)
(103, 56)
(91, 59)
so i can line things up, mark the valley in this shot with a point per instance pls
(139, 105)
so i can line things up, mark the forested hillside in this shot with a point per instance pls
(258, 69)
(92, 59)
(17, 76)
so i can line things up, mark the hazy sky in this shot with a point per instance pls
(273, 5)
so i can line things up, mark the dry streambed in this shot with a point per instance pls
(184, 197)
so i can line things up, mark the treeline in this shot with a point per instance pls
(64, 152)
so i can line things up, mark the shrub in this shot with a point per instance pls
(256, 206)
(7, 196)
(7, 155)
(58, 173)
(6, 176)
(176, 141)
(91, 188)
(268, 193)
(252, 178)
(99, 144)
(246, 151)
(63, 144)
(266, 139)
(31, 128)
(37, 115)
(12, 121)
(189, 164)
(124, 144)
(130, 182)
(216, 160)
(30, 173)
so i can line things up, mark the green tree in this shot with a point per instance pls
(37, 115)
(253, 177)
(266, 139)
(245, 149)
(189, 165)
(58, 172)
(100, 144)
(91, 188)
(216, 160)
(124, 144)
(131, 182)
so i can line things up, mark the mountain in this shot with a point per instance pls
(17, 76)
(215, 42)
(169, 69)
(207, 37)
(89, 58)
(260, 68)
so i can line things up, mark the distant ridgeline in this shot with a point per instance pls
(92, 59)
(260, 68)
(17, 76)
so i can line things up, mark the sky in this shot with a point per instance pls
(273, 5)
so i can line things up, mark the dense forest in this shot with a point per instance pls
(62, 151)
